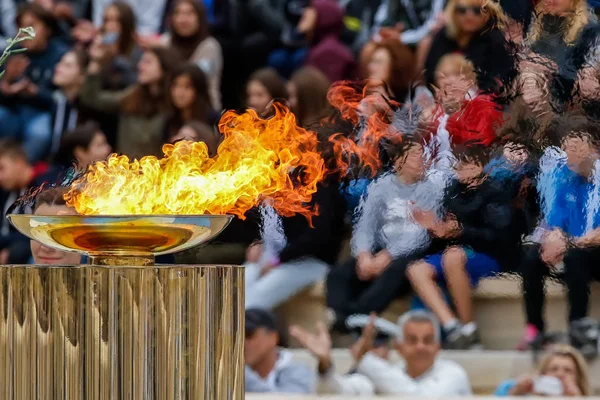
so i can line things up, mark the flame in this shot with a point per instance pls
(368, 108)
(259, 159)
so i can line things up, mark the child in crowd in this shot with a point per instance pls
(477, 232)
(264, 86)
(386, 238)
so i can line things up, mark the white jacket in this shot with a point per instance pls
(445, 378)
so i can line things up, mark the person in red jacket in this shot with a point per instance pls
(323, 23)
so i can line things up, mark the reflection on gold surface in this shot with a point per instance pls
(94, 332)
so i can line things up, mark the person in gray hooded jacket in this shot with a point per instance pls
(386, 238)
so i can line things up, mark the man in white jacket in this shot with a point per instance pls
(421, 373)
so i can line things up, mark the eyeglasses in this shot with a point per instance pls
(463, 10)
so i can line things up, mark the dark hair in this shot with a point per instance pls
(187, 45)
(205, 134)
(81, 136)
(201, 107)
(13, 149)
(402, 66)
(127, 38)
(141, 101)
(473, 153)
(39, 12)
(270, 79)
(82, 59)
(54, 196)
(311, 89)
(570, 125)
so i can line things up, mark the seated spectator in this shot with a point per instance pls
(421, 373)
(386, 238)
(196, 131)
(323, 22)
(391, 62)
(569, 245)
(479, 242)
(307, 91)
(331, 382)
(473, 29)
(17, 177)
(306, 257)
(79, 148)
(189, 99)
(264, 86)
(455, 81)
(142, 108)
(270, 369)
(190, 37)
(26, 102)
(561, 372)
(294, 43)
(52, 202)
(149, 14)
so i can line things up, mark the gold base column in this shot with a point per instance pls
(98, 332)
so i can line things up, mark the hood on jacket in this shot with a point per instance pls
(330, 19)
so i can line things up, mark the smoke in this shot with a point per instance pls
(272, 234)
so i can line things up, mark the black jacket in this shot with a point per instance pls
(323, 240)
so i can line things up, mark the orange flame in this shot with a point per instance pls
(258, 160)
(369, 102)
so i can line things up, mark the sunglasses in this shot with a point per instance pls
(463, 10)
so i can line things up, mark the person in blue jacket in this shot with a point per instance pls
(569, 235)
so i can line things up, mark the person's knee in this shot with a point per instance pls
(453, 258)
(419, 270)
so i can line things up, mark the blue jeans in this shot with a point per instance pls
(286, 61)
(29, 125)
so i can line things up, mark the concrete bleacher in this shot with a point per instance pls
(498, 310)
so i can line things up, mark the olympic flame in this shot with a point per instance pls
(259, 159)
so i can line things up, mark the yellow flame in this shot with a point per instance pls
(258, 159)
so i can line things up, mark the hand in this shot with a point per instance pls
(381, 261)
(427, 219)
(554, 246)
(15, 67)
(97, 50)
(447, 229)
(524, 386)
(364, 266)
(440, 22)
(84, 31)
(392, 32)
(8, 89)
(63, 11)
(254, 252)
(4, 256)
(364, 344)
(570, 387)
(318, 344)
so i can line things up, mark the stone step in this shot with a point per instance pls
(498, 310)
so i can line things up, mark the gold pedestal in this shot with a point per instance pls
(97, 332)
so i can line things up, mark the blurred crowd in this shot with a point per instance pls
(498, 171)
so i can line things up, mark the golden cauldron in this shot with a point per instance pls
(121, 327)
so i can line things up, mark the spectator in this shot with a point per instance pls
(331, 382)
(52, 202)
(26, 101)
(189, 99)
(563, 363)
(410, 22)
(474, 29)
(391, 62)
(476, 230)
(196, 131)
(323, 22)
(293, 52)
(190, 37)
(264, 86)
(455, 81)
(82, 146)
(358, 22)
(17, 176)
(149, 14)
(268, 368)
(307, 91)
(142, 108)
(421, 373)
(385, 238)
(568, 244)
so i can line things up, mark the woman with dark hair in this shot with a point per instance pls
(264, 86)
(26, 88)
(307, 91)
(189, 99)
(83, 146)
(190, 37)
(142, 108)
(197, 131)
(392, 62)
